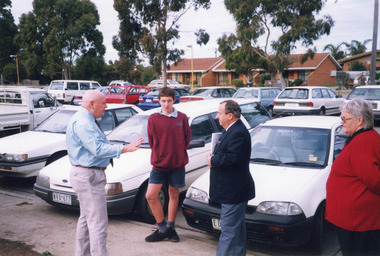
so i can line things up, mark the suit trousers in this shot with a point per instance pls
(91, 234)
(232, 241)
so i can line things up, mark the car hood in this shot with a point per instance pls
(29, 141)
(128, 166)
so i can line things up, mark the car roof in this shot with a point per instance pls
(323, 122)
(215, 87)
(22, 88)
(368, 87)
(193, 108)
(307, 87)
(109, 106)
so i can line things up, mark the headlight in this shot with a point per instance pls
(197, 195)
(43, 181)
(114, 188)
(279, 208)
(13, 157)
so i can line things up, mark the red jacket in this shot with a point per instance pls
(169, 138)
(353, 187)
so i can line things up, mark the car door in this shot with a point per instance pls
(335, 102)
(72, 89)
(43, 107)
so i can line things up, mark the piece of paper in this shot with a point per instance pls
(214, 140)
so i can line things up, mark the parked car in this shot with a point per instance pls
(362, 80)
(291, 159)
(159, 83)
(307, 100)
(370, 93)
(265, 95)
(150, 100)
(129, 94)
(127, 179)
(23, 108)
(26, 153)
(65, 90)
(78, 98)
(210, 92)
(119, 83)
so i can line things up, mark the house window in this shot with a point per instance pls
(223, 78)
(175, 76)
(303, 74)
(199, 75)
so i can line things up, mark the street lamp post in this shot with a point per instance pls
(192, 68)
(18, 75)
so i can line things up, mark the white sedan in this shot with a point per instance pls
(307, 100)
(291, 159)
(128, 178)
(25, 154)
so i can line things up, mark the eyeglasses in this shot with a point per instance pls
(345, 119)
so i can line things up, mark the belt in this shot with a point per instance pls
(92, 167)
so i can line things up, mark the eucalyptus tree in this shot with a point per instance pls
(294, 21)
(57, 32)
(149, 26)
(8, 30)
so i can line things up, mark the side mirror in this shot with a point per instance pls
(196, 144)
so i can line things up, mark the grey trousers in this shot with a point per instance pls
(91, 234)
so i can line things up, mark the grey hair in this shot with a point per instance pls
(359, 108)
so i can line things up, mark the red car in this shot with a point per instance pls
(126, 94)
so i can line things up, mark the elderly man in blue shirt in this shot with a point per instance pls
(90, 154)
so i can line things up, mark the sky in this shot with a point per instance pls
(353, 21)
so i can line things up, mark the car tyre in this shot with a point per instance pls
(143, 211)
(322, 112)
(317, 233)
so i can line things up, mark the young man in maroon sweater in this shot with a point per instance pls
(169, 137)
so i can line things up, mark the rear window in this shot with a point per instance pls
(365, 93)
(56, 85)
(294, 93)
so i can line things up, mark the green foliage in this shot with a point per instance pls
(8, 30)
(237, 82)
(147, 75)
(335, 51)
(357, 66)
(90, 67)
(148, 26)
(297, 82)
(356, 47)
(263, 78)
(57, 32)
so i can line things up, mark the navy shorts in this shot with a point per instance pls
(173, 178)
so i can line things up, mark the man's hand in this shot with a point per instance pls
(133, 145)
(208, 159)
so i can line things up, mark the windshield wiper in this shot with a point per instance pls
(305, 164)
(119, 141)
(266, 160)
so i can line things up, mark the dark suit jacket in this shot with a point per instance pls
(230, 179)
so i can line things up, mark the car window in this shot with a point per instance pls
(247, 93)
(132, 129)
(58, 85)
(201, 128)
(123, 114)
(216, 121)
(332, 93)
(365, 93)
(72, 86)
(254, 114)
(265, 94)
(325, 93)
(294, 93)
(340, 140)
(184, 92)
(296, 147)
(107, 121)
(41, 100)
(95, 85)
(206, 92)
(56, 123)
(84, 86)
(316, 93)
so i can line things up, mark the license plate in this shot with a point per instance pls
(291, 105)
(216, 224)
(148, 100)
(62, 199)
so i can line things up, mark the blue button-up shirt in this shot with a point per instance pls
(86, 143)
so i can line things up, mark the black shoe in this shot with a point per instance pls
(157, 236)
(173, 237)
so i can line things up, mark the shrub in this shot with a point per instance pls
(237, 82)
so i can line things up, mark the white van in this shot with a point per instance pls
(65, 90)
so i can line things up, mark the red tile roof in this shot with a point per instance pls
(199, 64)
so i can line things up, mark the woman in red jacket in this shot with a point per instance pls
(353, 187)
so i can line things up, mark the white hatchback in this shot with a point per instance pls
(291, 159)
(307, 100)
(370, 93)
(127, 179)
(25, 154)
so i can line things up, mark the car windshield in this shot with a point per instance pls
(254, 113)
(56, 123)
(294, 93)
(365, 93)
(247, 93)
(204, 92)
(131, 130)
(290, 146)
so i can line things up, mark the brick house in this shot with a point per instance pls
(212, 71)
(364, 58)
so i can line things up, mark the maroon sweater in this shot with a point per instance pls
(353, 187)
(169, 138)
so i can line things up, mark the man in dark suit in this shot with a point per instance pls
(231, 183)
